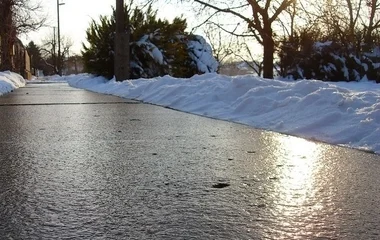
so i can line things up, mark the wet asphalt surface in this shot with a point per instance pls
(79, 165)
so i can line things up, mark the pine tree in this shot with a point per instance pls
(34, 52)
(157, 47)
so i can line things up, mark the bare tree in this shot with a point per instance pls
(354, 20)
(245, 54)
(16, 16)
(49, 51)
(373, 20)
(337, 19)
(222, 45)
(259, 22)
(354, 8)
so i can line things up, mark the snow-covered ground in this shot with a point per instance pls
(10, 81)
(339, 113)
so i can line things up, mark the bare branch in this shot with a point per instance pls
(234, 32)
(224, 10)
(284, 5)
(204, 22)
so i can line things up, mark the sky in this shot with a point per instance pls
(76, 15)
(341, 113)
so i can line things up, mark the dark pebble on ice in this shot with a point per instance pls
(220, 185)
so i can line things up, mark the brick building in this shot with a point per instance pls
(20, 59)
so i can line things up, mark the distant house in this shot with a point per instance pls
(73, 65)
(235, 69)
(241, 68)
(20, 59)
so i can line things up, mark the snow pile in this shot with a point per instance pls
(10, 81)
(338, 113)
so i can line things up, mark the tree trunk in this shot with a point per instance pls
(7, 36)
(121, 67)
(268, 56)
(368, 35)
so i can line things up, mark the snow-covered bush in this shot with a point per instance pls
(327, 61)
(157, 47)
(201, 53)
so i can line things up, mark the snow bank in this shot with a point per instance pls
(339, 113)
(10, 81)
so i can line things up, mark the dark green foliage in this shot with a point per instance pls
(150, 37)
(98, 57)
(308, 56)
(35, 56)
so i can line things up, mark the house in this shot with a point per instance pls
(20, 60)
(73, 65)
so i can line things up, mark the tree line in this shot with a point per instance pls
(327, 39)
(21, 17)
(44, 56)
(16, 17)
(157, 46)
(324, 39)
(339, 40)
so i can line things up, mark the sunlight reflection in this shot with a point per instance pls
(296, 163)
(296, 170)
